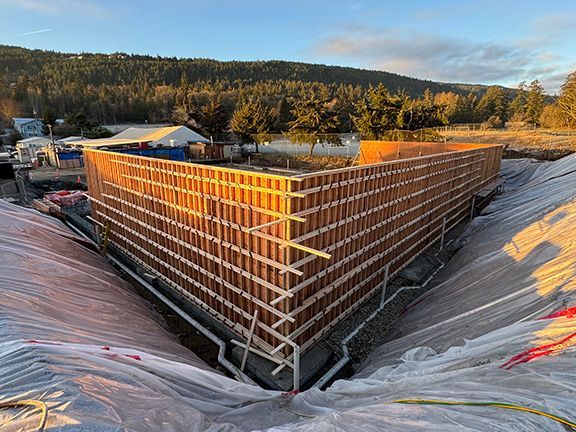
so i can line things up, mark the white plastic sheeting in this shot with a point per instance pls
(74, 335)
(478, 335)
(481, 335)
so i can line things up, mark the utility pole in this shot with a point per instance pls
(51, 136)
(53, 147)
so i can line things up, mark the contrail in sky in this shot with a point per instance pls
(33, 32)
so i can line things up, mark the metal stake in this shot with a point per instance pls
(443, 233)
(296, 362)
(385, 283)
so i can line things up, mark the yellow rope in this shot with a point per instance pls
(488, 404)
(30, 403)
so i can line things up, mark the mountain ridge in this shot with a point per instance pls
(16, 60)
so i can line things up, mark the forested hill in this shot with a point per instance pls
(96, 89)
(63, 69)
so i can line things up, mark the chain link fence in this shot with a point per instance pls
(335, 144)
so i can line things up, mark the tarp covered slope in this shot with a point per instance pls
(75, 336)
(497, 328)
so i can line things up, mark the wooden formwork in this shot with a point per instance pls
(284, 256)
(374, 218)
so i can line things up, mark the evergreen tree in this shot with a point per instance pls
(344, 113)
(79, 124)
(180, 115)
(428, 98)
(535, 102)
(251, 118)
(552, 117)
(20, 89)
(379, 112)
(79, 120)
(313, 117)
(422, 113)
(283, 116)
(466, 109)
(183, 91)
(449, 101)
(493, 104)
(213, 118)
(518, 104)
(49, 118)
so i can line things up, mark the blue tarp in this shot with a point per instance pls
(176, 153)
(69, 155)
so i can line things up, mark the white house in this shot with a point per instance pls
(28, 127)
(28, 147)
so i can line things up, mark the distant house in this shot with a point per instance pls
(28, 127)
(28, 147)
(33, 142)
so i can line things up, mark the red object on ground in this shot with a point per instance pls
(566, 313)
(66, 198)
(133, 356)
(539, 351)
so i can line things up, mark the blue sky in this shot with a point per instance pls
(488, 41)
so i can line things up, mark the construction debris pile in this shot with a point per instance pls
(491, 347)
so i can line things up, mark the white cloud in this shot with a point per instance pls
(442, 58)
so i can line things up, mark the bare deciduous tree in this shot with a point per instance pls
(9, 109)
(567, 99)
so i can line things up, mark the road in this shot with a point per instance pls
(52, 173)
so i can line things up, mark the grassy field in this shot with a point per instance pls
(541, 142)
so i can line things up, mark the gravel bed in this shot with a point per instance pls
(381, 328)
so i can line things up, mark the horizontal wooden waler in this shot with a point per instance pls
(289, 256)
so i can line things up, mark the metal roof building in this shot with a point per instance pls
(176, 136)
(163, 135)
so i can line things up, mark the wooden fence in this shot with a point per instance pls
(282, 259)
